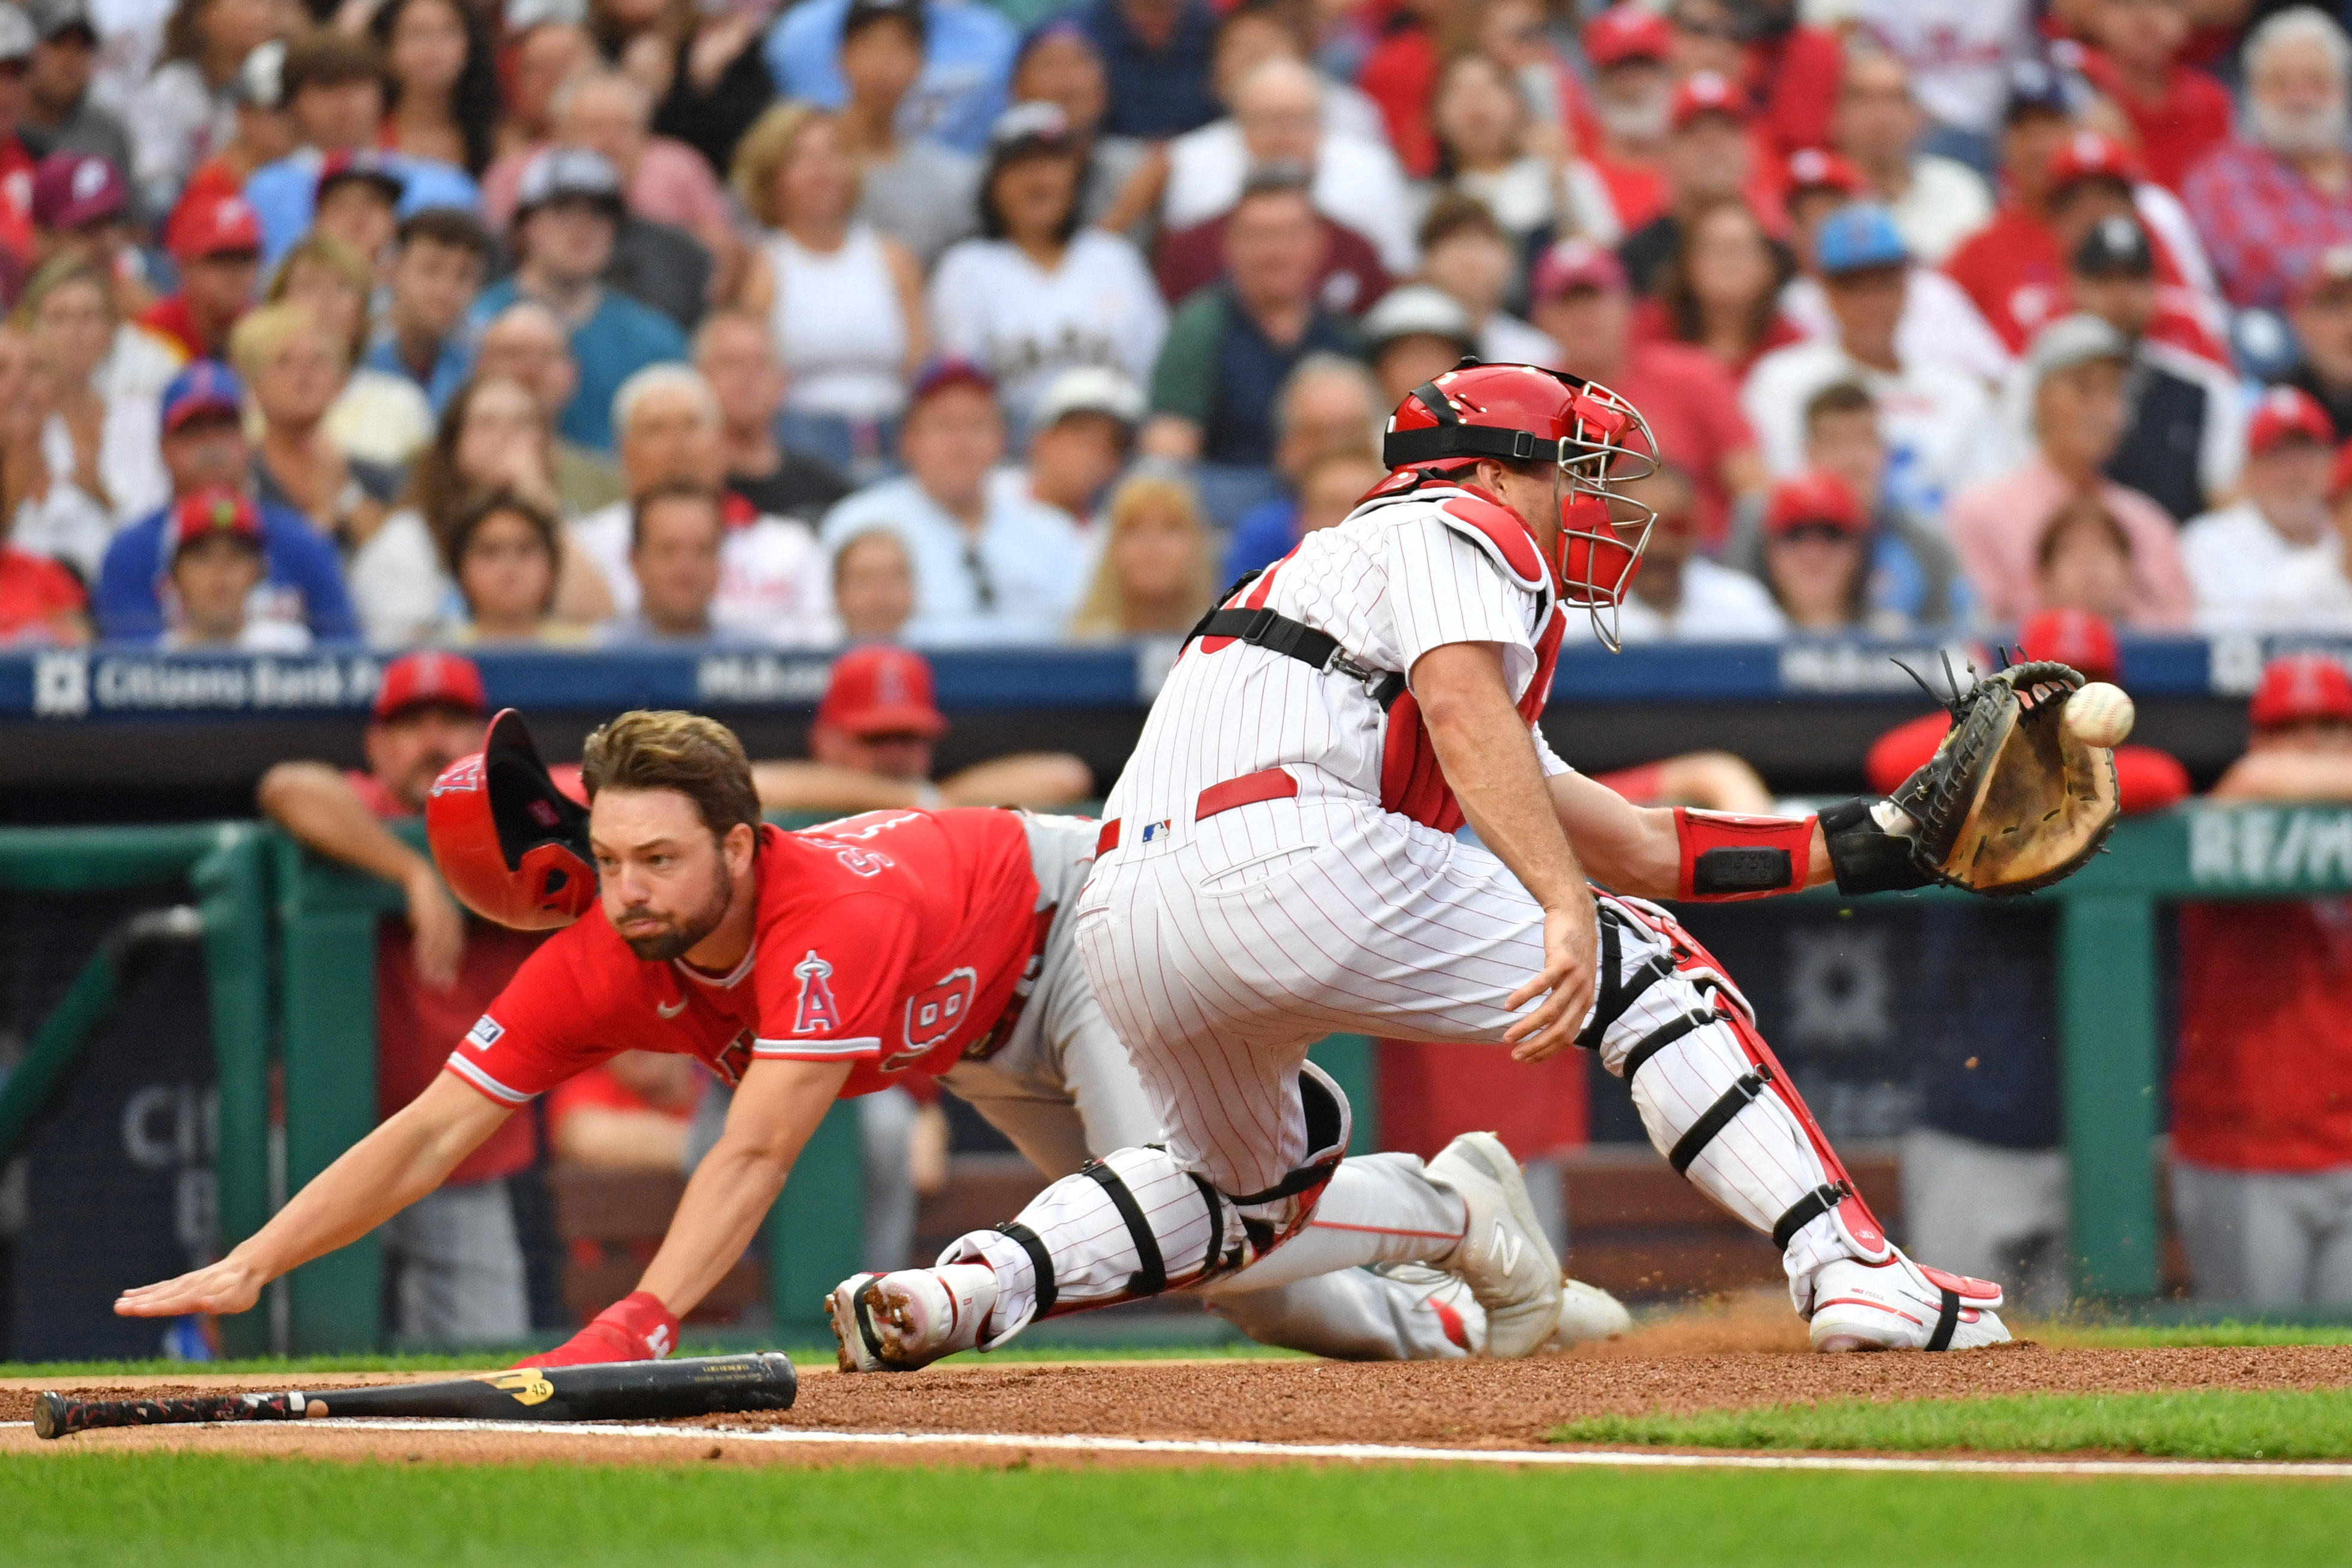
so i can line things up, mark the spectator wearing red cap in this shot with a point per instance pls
(2313, 591)
(2147, 779)
(2237, 555)
(1936, 202)
(453, 1262)
(217, 243)
(1709, 156)
(991, 564)
(80, 206)
(872, 745)
(1817, 559)
(1582, 303)
(2262, 1143)
(2319, 309)
(1628, 47)
(214, 563)
(2008, 530)
(2268, 203)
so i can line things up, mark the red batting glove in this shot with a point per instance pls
(634, 1327)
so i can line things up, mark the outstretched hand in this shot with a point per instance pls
(224, 1288)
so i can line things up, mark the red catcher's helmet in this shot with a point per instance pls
(1522, 413)
(511, 844)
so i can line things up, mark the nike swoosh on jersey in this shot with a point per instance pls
(671, 1009)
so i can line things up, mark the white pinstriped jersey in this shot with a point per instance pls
(1398, 577)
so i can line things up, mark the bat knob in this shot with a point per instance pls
(49, 1416)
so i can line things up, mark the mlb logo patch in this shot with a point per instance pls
(484, 1032)
(1152, 830)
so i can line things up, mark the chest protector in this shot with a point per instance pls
(1412, 783)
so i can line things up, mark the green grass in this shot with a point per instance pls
(2145, 1336)
(199, 1509)
(2255, 1424)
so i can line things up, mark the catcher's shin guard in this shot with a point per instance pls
(1715, 1099)
(1135, 1222)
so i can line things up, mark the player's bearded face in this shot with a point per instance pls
(669, 921)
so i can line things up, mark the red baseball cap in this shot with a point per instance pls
(417, 679)
(2089, 155)
(215, 509)
(1627, 32)
(71, 189)
(2287, 411)
(212, 226)
(2297, 686)
(946, 371)
(2079, 638)
(881, 689)
(1815, 497)
(1708, 92)
(1813, 169)
(1577, 263)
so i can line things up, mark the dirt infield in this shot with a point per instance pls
(1717, 1360)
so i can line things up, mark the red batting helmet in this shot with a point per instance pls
(511, 845)
(1520, 413)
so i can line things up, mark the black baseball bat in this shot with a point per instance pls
(607, 1391)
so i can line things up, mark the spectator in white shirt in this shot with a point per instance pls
(2237, 554)
(675, 532)
(1937, 421)
(1278, 119)
(990, 565)
(1679, 595)
(773, 582)
(2314, 589)
(1481, 119)
(1036, 295)
(1936, 202)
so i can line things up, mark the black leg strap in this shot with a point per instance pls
(1807, 1209)
(1216, 1222)
(1041, 1262)
(1716, 1117)
(1616, 995)
(1150, 1276)
(1946, 1321)
(1664, 1034)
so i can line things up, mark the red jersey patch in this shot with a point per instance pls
(855, 945)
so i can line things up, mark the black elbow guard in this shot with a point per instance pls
(1865, 856)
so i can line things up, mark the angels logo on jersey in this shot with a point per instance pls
(933, 1015)
(816, 1010)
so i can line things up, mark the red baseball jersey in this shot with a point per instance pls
(891, 940)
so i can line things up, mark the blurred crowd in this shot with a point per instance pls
(622, 322)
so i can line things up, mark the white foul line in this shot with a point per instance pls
(1375, 1453)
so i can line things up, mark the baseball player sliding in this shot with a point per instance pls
(801, 967)
(1279, 861)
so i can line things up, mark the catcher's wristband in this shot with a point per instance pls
(1726, 857)
(1866, 857)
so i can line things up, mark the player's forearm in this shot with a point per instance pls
(2287, 776)
(383, 1174)
(1639, 850)
(318, 806)
(622, 1139)
(818, 787)
(776, 1109)
(1033, 779)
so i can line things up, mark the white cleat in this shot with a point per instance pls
(1503, 1257)
(910, 1317)
(1902, 1305)
(1587, 1313)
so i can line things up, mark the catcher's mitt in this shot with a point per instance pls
(2010, 801)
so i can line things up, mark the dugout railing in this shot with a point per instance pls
(289, 943)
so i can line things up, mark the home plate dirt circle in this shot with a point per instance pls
(1223, 1411)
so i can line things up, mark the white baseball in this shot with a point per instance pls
(2099, 715)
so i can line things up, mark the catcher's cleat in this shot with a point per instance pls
(1503, 1257)
(908, 1318)
(1587, 1313)
(1902, 1305)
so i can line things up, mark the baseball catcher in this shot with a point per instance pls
(805, 966)
(1280, 861)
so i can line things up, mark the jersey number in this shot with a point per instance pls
(933, 1013)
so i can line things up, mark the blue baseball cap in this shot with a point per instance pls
(1857, 238)
(207, 387)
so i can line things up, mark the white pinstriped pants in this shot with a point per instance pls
(1222, 951)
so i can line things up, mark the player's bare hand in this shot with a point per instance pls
(1570, 939)
(229, 1286)
(439, 931)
